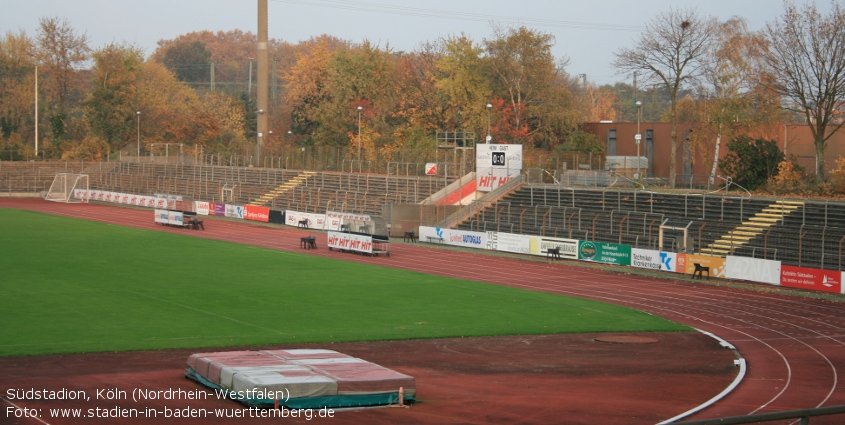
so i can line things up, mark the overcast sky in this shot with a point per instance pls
(587, 32)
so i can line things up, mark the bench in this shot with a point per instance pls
(699, 270)
(433, 239)
(345, 228)
(308, 242)
(304, 223)
(553, 253)
(409, 236)
(196, 224)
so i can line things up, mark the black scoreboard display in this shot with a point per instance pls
(498, 159)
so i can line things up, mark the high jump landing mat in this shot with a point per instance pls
(300, 379)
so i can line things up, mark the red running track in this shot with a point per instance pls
(794, 346)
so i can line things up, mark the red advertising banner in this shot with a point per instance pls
(256, 213)
(681, 263)
(813, 279)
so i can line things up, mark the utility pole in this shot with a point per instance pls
(263, 88)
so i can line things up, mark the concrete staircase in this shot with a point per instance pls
(752, 228)
(282, 189)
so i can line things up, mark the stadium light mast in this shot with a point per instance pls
(263, 86)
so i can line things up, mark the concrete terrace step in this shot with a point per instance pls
(751, 228)
(796, 203)
(283, 188)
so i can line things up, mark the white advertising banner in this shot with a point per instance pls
(350, 242)
(753, 269)
(301, 219)
(234, 211)
(453, 237)
(540, 245)
(160, 203)
(496, 165)
(508, 242)
(334, 219)
(669, 261)
(175, 218)
(162, 216)
(201, 207)
(645, 258)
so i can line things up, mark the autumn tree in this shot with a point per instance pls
(17, 78)
(524, 72)
(600, 103)
(361, 76)
(306, 84)
(227, 113)
(172, 111)
(670, 52)
(751, 162)
(61, 52)
(188, 60)
(461, 81)
(733, 101)
(419, 108)
(807, 66)
(112, 105)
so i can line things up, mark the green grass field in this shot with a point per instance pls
(71, 285)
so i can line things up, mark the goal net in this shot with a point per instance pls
(68, 187)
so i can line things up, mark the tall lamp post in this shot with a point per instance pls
(259, 134)
(360, 108)
(638, 137)
(489, 137)
(138, 153)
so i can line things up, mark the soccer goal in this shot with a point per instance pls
(68, 187)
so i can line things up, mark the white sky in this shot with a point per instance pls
(587, 32)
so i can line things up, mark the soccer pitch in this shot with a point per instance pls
(73, 286)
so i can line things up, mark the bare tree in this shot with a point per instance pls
(670, 52)
(806, 59)
(736, 101)
(62, 50)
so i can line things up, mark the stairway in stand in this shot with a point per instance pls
(752, 228)
(283, 188)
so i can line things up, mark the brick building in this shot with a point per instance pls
(618, 137)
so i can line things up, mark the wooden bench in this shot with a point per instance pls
(308, 242)
(699, 270)
(553, 253)
(409, 236)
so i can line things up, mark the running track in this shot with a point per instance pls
(794, 346)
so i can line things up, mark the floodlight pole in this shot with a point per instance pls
(489, 106)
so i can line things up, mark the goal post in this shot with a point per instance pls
(68, 187)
